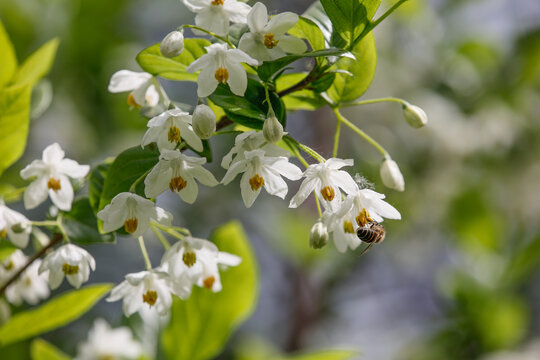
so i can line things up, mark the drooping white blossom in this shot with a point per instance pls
(326, 179)
(133, 212)
(247, 141)
(215, 15)
(178, 172)
(142, 88)
(30, 286)
(105, 342)
(267, 39)
(169, 128)
(14, 225)
(261, 170)
(358, 209)
(221, 65)
(51, 175)
(70, 261)
(391, 175)
(151, 287)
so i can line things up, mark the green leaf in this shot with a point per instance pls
(251, 109)
(8, 59)
(307, 29)
(152, 61)
(38, 64)
(14, 116)
(350, 17)
(43, 350)
(299, 100)
(6, 249)
(11, 193)
(325, 355)
(200, 326)
(96, 182)
(81, 224)
(57, 312)
(346, 87)
(269, 68)
(129, 166)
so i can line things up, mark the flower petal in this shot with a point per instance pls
(53, 154)
(72, 168)
(292, 45)
(207, 82)
(125, 80)
(307, 186)
(249, 196)
(36, 193)
(63, 197)
(257, 18)
(280, 23)
(237, 79)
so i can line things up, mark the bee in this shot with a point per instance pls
(371, 233)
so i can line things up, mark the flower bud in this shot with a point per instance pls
(173, 44)
(272, 129)
(204, 121)
(19, 228)
(318, 237)
(391, 176)
(415, 116)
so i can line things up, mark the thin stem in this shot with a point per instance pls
(161, 238)
(133, 186)
(170, 231)
(373, 101)
(267, 93)
(295, 151)
(40, 253)
(45, 223)
(209, 33)
(145, 253)
(336, 138)
(318, 204)
(61, 227)
(306, 149)
(360, 132)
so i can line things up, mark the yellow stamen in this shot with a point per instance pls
(131, 225)
(328, 193)
(3, 233)
(189, 258)
(269, 41)
(222, 75)
(174, 134)
(70, 269)
(9, 265)
(177, 184)
(256, 182)
(217, 2)
(131, 101)
(150, 297)
(54, 184)
(348, 227)
(209, 282)
(27, 281)
(363, 218)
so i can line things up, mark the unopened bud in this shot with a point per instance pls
(19, 228)
(318, 237)
(391, 176)
(204, 121)
(173, 44)
(272, 129)
(415, 116)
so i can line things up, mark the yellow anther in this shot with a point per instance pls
(256, 182)
(348, 227)
(363, 218)
(173, 134)
(9, 265)
(177, 184)
(222, 75)
(131, 101)
(150, 297)
(189, 258)
(131, 225)
(54, 184)
(209, 282)
(269, 41)
(27, 281)
(3, 233)
(70, 269)
(328, 193)
(217, 2)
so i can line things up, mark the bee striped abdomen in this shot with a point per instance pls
(375, 233)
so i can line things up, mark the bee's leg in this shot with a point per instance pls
(366, 249)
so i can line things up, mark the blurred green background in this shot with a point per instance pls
(457, 278)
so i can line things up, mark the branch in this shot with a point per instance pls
(55, 240)
(311, 77)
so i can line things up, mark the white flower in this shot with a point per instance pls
(260, 170)
(326, 179)
(221, 65)
(214, 15)
(266, 39)
(247, 141)
(169, 128)
(52, 174)
(152, 287)
(133, 212)
(391, 176)
(9, 266)
(172, 45)
(14, 225)
(105, 342)
(69, 260)
(30, 286)
(357, 210)
(177, 172)
(143, 91)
